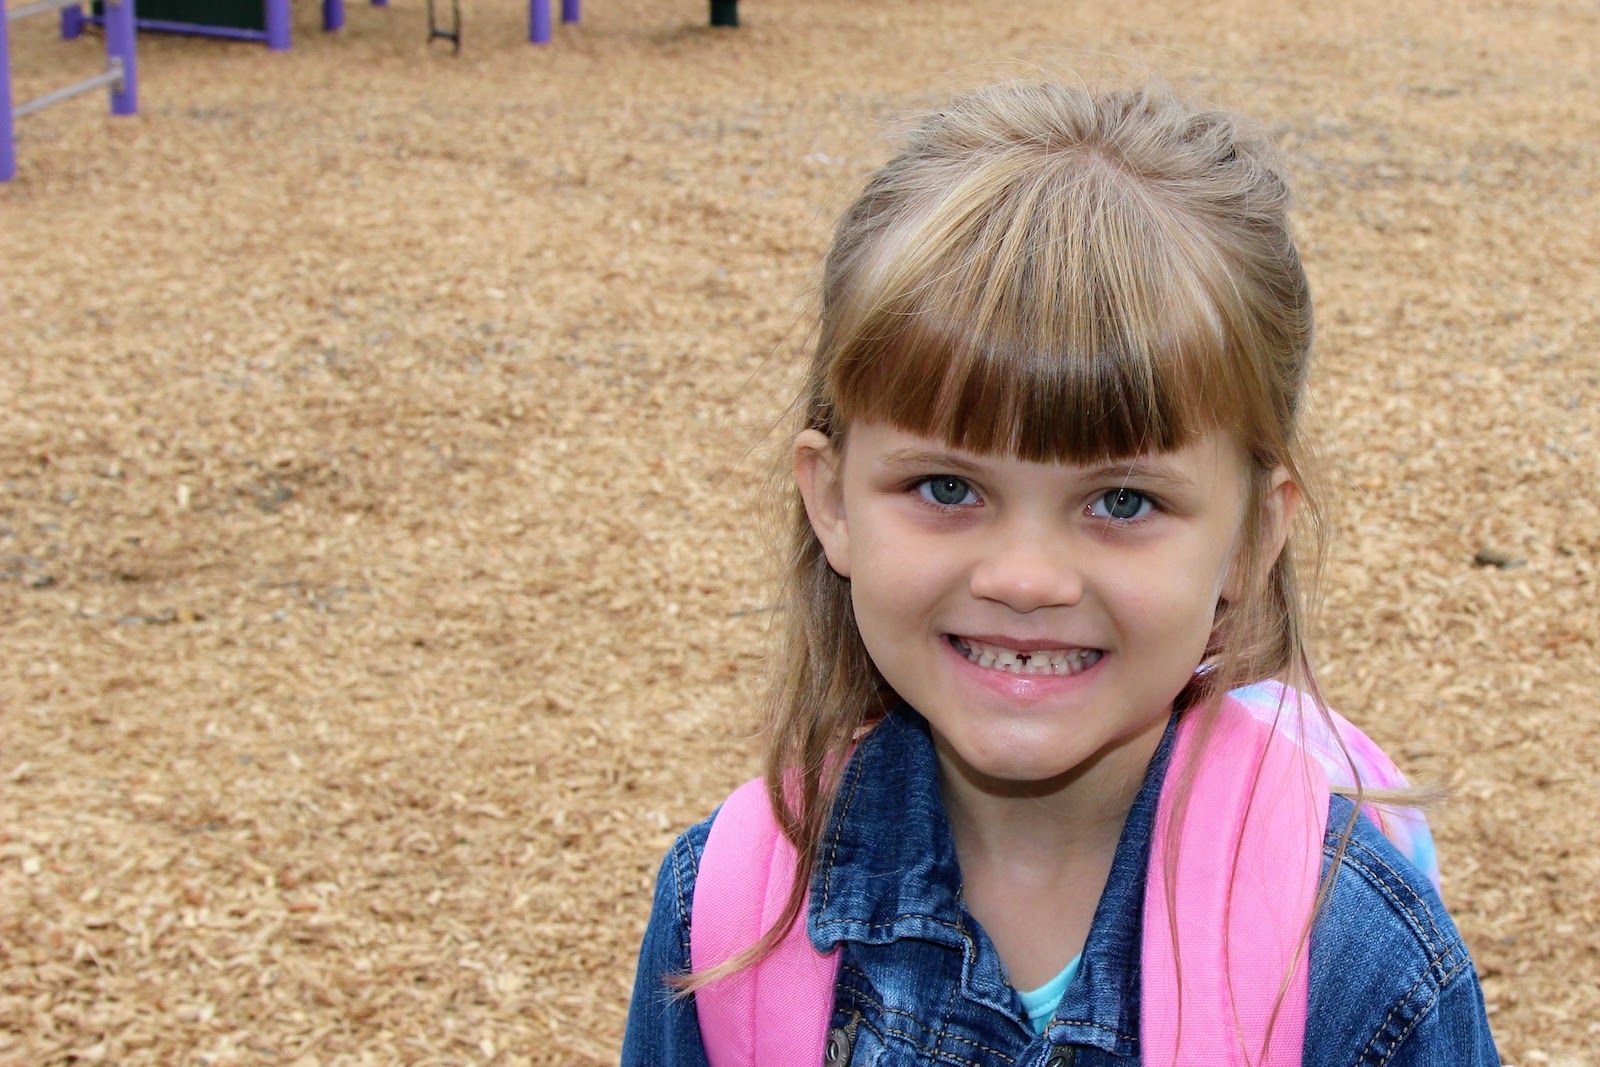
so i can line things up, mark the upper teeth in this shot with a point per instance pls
(1044, 661)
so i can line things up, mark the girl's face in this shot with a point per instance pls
(1039, 615)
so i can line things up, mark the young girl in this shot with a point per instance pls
(1047, 473)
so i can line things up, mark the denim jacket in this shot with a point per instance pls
(919, 983)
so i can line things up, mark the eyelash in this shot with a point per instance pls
(922, 488)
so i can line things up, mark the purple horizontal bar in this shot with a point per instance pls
(194, 29)
(198, 30)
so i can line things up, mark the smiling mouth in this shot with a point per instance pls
(1055, 661)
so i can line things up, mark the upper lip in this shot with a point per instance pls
(1023, 644)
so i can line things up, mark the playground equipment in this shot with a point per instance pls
(539, 18)
(239, 20)
(437, 32)
(120, 75)
(538, 21)
(268, 20)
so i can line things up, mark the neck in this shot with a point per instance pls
(1035, 856)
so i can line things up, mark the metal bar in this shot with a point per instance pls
(571, 10)
(109, 77)
(122, 47)
(39, 8)
(198, 29)
(539, 21)
(193, 29)
(71, 23)
(276, 14)
(8, 140)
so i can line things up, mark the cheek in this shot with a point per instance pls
(896, 560)
(1177, 596)
(897, 590)
(891, 586)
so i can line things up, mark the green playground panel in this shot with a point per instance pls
(235, 14)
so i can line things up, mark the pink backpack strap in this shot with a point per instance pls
(1248, 858)
(776, 1013)
(1345, 752)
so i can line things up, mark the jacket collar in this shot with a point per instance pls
(887, 870)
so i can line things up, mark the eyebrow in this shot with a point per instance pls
(928, 458)
(1146, 471)
(1142, 470)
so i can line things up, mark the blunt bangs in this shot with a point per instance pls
(1051, 312)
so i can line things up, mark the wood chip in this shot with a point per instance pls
(381, 563)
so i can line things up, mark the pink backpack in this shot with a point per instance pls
(1235, 958)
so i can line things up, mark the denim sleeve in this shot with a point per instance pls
(1392, 984)
(1454, 1031)
(663, 1030)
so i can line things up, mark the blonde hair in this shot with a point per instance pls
(1057, 276)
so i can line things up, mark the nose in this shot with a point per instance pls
(1028, 570)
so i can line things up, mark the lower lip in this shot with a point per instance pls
(1024, 688)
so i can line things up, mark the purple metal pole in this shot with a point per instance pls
(332, 14)
(380, 3)
(121, 44)
(277, 19)
(71, 22)
(571, 10)
(539, 21)
(8, 143)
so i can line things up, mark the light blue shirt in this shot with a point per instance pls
(1040, 1004)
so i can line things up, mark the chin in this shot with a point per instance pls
(1023, 762)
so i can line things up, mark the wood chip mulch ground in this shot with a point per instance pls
(381, 572)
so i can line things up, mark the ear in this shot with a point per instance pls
(817, 473)
(1279, 505)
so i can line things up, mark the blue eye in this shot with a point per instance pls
(946, 490)
(1121, 505)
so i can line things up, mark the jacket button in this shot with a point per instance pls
(841, 1042)
(1061, 1057)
